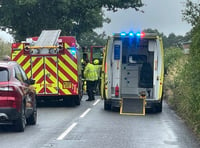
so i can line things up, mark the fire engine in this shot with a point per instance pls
(132, 73)
(53, 61)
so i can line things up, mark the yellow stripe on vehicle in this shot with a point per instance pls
(70, 61)
(52, 87)
(73, 75)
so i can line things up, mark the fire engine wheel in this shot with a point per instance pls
(107, 105)
(20, 123)
(77, 100)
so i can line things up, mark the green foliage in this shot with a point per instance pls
(184, 81)
(92, 39)
(171, 40)
(5, 48)
(171, 56)
(29, 17)
(192, 12)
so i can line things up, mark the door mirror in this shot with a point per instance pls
(30, 81)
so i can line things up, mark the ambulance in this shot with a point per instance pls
(133, 72)
(53, 61)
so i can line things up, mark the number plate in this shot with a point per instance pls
(67, 84)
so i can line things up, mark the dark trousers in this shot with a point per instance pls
(97, 86)
(90, 89)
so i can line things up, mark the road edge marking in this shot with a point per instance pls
(64, 134)
(97, 101)
(83, 114)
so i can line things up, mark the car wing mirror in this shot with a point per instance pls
(30, 81)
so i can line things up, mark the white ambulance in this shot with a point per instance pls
(132, 73)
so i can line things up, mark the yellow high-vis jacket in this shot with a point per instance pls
(90, 72)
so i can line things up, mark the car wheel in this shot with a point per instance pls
(32, 119)
(20, 123)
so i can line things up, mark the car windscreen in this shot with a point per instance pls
(4, 74)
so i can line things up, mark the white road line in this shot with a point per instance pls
(62, 136)
(95, 103)
(83, 115)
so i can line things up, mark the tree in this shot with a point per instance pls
(92, 39)
(171, 40)
(73, 17)
(192, 12)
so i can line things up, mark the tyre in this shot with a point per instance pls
(77, 99)
(20, 123)
(32, 119)
(107, 105)
(159, 107)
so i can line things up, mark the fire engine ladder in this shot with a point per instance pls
(48, 38)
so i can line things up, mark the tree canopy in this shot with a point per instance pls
(171, 40)
(192, 12)
(29, 17)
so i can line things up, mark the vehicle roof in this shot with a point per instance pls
(146, 36)
(7, 64)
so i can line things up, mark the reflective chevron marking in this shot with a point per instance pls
(50, 72)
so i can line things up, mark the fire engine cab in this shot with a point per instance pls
(53, 61)
(132, 73)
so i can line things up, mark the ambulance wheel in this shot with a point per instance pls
(159, 107)
(107, 105)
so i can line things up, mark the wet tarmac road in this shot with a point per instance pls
(89, 126)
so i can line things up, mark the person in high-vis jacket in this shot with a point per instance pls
(90, 76)
(98, 70)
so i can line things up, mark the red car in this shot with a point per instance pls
(17, 97)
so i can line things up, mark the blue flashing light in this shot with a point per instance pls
(131, 34)
(123, 34)
(73, 51)
(138, 34)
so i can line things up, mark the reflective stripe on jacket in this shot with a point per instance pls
(90, 73)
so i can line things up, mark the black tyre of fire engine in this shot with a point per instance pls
(77, 99)
(107, 105)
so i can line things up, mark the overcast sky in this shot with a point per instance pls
(163, 15)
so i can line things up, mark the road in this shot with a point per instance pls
(89, 126)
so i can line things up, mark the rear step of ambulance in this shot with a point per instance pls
(133, 105)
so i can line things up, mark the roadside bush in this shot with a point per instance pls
(5, 48)
(183, 81)
(171, 55)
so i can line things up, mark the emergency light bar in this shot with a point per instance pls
(135, 35)
(131, 34)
